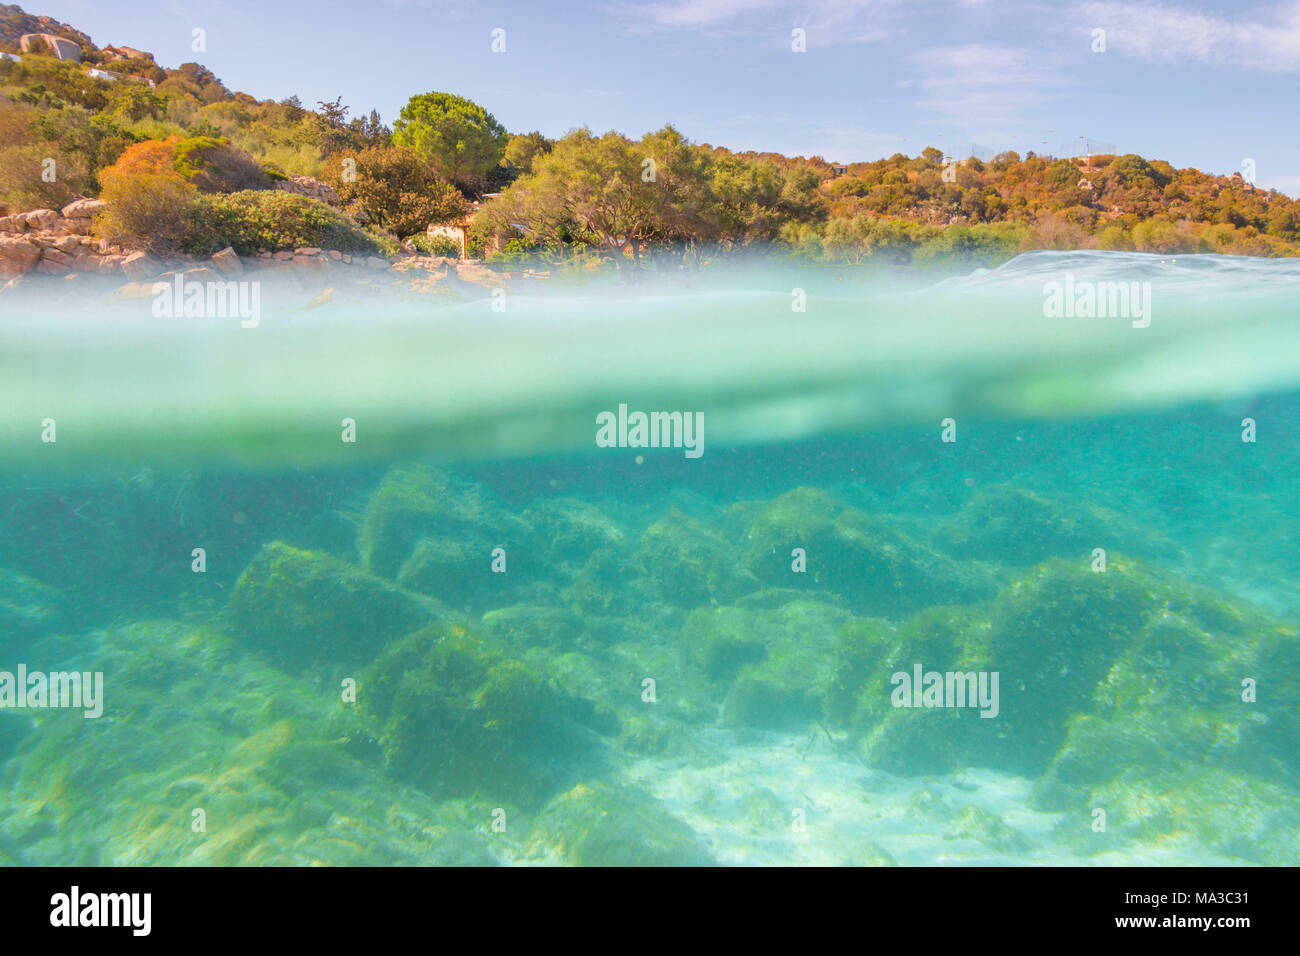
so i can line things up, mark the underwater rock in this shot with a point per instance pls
(690, 565)
(723, 640)
(460, 717)
(1128, 676)
(27, 607)
(986, 827)
(307, 607)
(612, 584)
(876, 566)
(602, 825)
(14, 727)
(418, 502)
(777, 662)
(458, 571)
(1017, 526)
(1050, 636)
(523, 626)
(193, 722)
(1177, 698)
(1229, 813)
(567, 532)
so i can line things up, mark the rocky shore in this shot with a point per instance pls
(48, 244)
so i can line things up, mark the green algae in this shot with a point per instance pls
(308, 607)
(619, 636)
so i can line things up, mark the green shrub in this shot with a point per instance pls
(149, 211)
(257, 219)
(436, 245)
(395, 188)
(213, 165)
(384, 240)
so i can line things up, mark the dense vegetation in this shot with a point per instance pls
(162, 152)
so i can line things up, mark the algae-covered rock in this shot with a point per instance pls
(601, 825)
(460, 717)
(457, 572)
(567, 532)
(1017, 526)
(1215, 810)
(1127, 676)
(611, 584)
(306, 607)
(691, 565)
(876, 566)
(191, 722)
(418, 502)
(1207, 684)
(986, 827)
(724, 639)
(526, 625)
(779, 662)
(27, 607)
(1050, 637)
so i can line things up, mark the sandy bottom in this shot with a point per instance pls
(744, 798)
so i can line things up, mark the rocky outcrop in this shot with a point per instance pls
(307, 186)
(59, 243)
(126, 53)
(52, 45)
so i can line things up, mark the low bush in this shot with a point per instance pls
(148, 211)
(258, 219)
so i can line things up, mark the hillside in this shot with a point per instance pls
(14, 22)
(70, 130)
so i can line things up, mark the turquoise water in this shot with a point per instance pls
(475, 635)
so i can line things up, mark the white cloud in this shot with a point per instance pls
(983, 86)
(1266, 39)
(701, 13)
(828, 22)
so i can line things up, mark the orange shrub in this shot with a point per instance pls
(153, 157)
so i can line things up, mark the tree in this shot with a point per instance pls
(523, 148)
(587, 190)
(457, 137)
(396, 189)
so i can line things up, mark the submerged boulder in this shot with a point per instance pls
(567, 532)
(772, 665)
(1126, 678)
(600, 825)
(877, 567)
(446, 538)
(1050, 637)
(307, 607)
(1018, 526)
(460, 717)
(28, 608)
(690, 565)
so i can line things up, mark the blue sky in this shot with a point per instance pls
(1195, 84)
